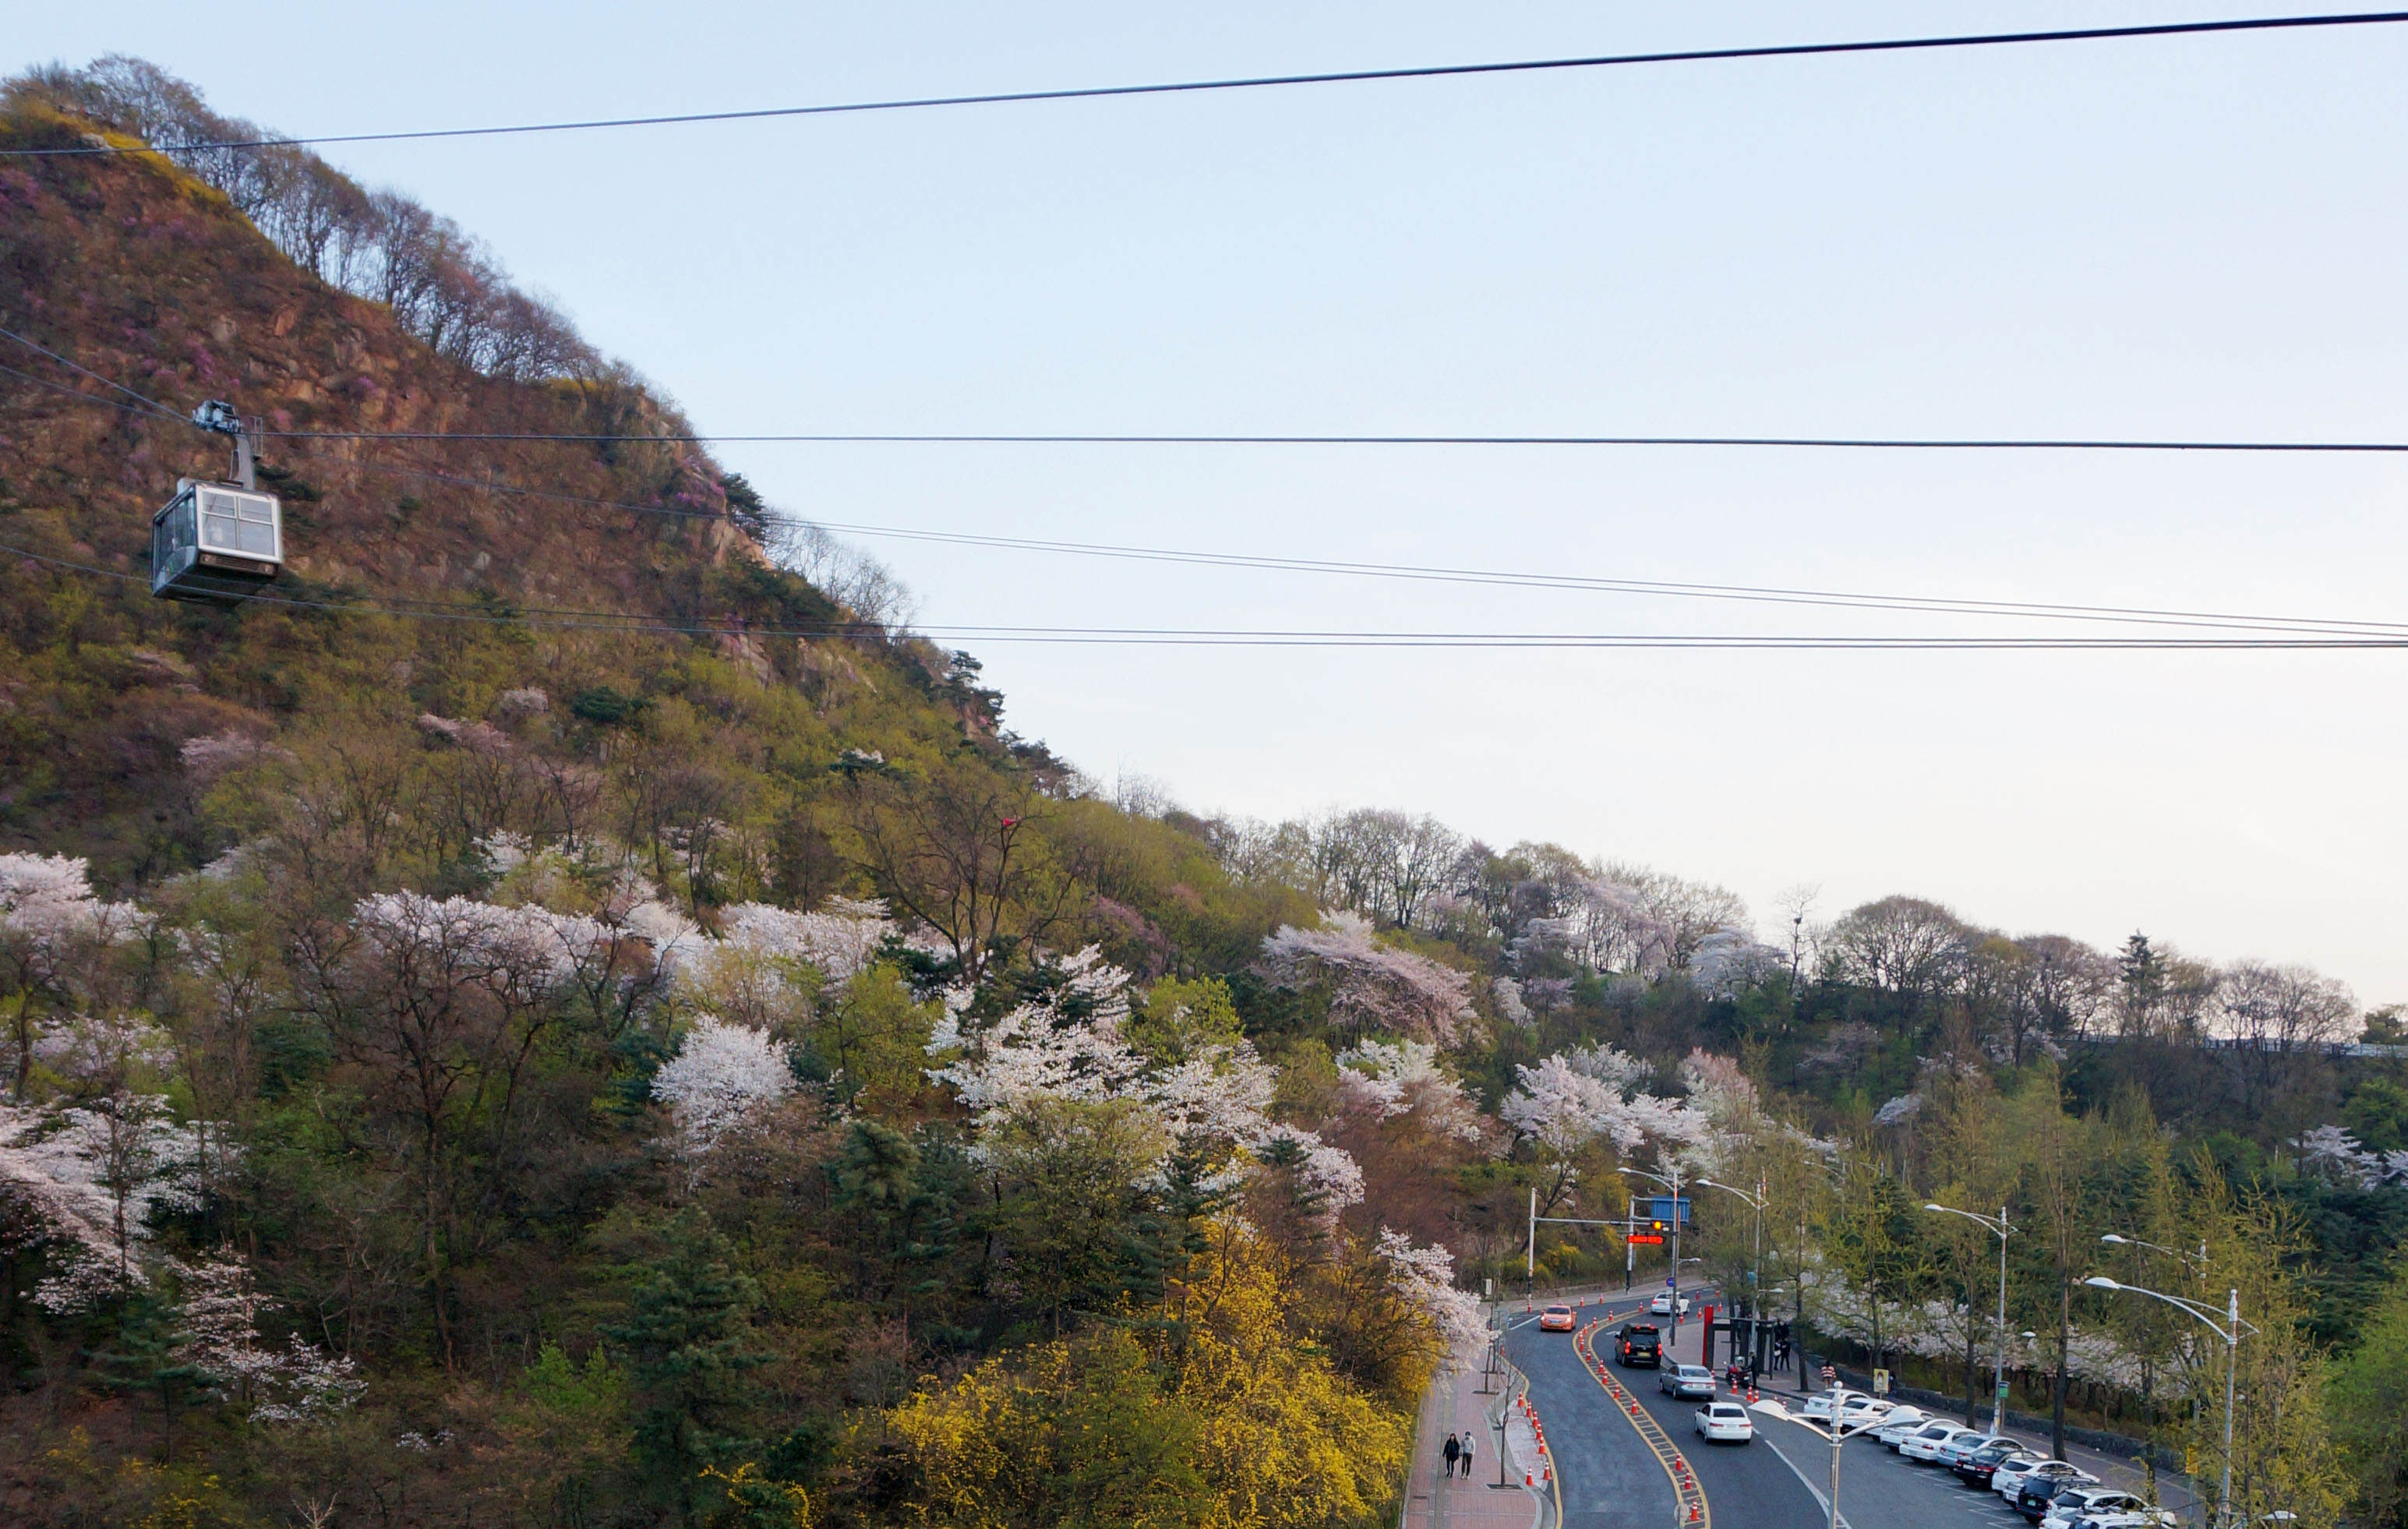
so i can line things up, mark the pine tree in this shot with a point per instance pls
(149, 1356)
(690, 1353)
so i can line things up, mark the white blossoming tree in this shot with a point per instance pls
(52, 930)
(722, 1076)
(1370, 985)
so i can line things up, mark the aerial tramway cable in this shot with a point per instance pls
(1259, 82)
(2271, 630)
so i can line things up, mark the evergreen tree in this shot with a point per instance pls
(690, 1352)
(147, 1356)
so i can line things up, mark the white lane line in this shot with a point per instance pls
(1820, 1500)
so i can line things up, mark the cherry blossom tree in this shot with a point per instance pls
(1572, 1100)
(218, 1307)
(721, 1075)
(1386, 1079)
(771, 963)
(2333, 1151)
(86, 1181)
(1730, 959)
(1370, 985)
(49, 1195)
(50, 927)
(1425, 1277)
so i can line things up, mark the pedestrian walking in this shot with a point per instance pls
(1467, 1455)
(1454, 1452)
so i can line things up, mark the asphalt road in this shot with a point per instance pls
(1610, 1478)
(1607, 1477)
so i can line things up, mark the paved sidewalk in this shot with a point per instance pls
(1435, 1501)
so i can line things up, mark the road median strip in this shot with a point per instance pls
(1691, 1497)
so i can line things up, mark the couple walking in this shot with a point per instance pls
(1458, 1452)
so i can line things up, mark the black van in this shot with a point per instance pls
(1639, 1345)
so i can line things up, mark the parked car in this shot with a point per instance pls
(2079, 1501)
(1901, 1421)
(1975, 1469)
(1686, 1380)
(1724, 1423)
(1966, 1445)
(1662, 1304)
(1854, 1407)
(2140, 1517)
(2010, 1472)
(1555, 1319)
(2058, 1472)
(1923, 1446)
(1865, 1412)
(1639, 1343)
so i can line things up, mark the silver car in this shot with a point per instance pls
(1694, 1380)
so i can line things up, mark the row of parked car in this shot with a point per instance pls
(2053, 1493)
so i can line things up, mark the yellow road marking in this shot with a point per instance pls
(1690, 1497)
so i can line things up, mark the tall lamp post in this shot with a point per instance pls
(2196, 1261)
(1755, 1274)
(1999, 1228)
(1836, 1431)
(2231, 1333)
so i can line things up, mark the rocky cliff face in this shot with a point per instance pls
(564, 566)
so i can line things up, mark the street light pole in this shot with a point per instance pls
(2231, 1333)
(1755, 1278)
(1675, 1280)
(1834, 1431)
(1999, 1378)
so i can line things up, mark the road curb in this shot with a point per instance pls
(1539, 1501)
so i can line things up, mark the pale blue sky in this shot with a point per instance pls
(2197, 237)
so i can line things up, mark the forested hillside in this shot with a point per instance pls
(567, 1013)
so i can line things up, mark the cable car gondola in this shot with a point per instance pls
(218, 541)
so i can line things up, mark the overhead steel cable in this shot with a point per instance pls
(1850, 443)
(1258, 82)
(149, 404)
(2121, 615)
(1876, 443)
(1756, 593)
(1239, 637)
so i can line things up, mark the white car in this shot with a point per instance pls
(1726, 1423)
(2140, 1518)
(2011, 1471)
(1901, 1421)
(1662, 1304)
(2038, 1470)
(1959, 1446)
(2073, 1503)
(1870, 1412)
(1925, 1444)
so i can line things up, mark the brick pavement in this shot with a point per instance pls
(1433, 1501)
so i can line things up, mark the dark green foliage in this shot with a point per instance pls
(691, 1356)
(602, 706)
(141, 1359)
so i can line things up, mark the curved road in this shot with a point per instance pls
(1608, 1474)
(1609, 1477)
